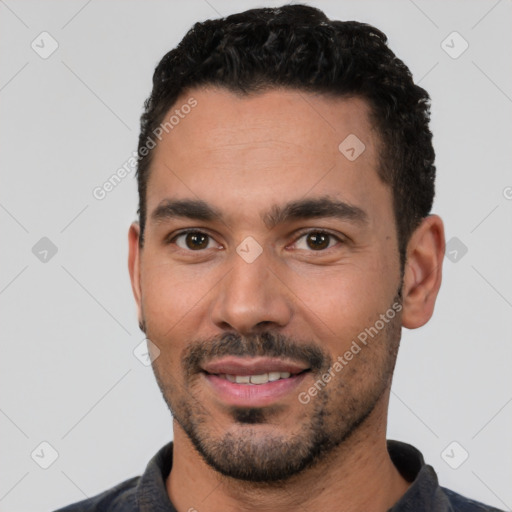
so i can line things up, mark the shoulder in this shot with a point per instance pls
(460, 503)
(129, 496)
(120, 498)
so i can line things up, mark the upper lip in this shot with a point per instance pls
(252, 366)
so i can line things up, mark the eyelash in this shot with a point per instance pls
(172, 240)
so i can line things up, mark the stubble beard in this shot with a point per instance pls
(255, 451)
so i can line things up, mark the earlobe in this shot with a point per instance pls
(134, 264)
(423, 272)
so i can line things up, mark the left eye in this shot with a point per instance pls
(316, 241)
(194, 241)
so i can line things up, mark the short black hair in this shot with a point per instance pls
(298, 47)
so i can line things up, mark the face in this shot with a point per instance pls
(269, 278)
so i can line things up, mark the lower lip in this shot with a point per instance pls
(253, 395)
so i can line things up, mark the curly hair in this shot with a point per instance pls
(298, 47)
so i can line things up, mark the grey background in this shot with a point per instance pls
(68, 374)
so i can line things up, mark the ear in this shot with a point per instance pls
(134, 265)
(423, 272)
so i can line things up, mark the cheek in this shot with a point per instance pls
(342, 304)
(346, 297)
(176, 301)
(169, 294)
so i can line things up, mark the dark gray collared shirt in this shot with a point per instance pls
(147, 493)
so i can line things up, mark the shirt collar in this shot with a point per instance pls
(424, 494)
(151, 492)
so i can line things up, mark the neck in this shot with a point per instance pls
(358, 475)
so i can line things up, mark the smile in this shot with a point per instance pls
(253, 382)
(262, 378)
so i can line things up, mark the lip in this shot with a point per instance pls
(253, 395)
(253, 366)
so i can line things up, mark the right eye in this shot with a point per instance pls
(193, 241)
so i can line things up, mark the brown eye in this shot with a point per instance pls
(317, 241)
(196, 240)
(193, 240)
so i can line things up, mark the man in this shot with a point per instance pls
(286, 176)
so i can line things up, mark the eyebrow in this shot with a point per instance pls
(316, 208)
(300, 209)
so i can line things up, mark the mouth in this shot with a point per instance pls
(257, 380)
(254, 382)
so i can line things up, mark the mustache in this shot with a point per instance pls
(266, 344)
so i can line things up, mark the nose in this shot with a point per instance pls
(251, 297)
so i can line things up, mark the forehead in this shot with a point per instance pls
(243, 149)
(281, 114)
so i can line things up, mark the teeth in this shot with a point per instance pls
(257, 379)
